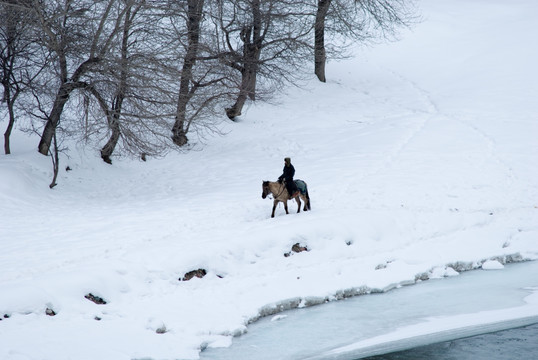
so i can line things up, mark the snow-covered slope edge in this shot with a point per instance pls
(496, 262)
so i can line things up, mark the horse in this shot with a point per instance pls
(280, 193)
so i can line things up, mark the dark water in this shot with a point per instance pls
(514, 344)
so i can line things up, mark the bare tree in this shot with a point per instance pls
(252, 33)
(267, 38)
(113, 114)
(117, 75)
(134, 85)
(358, 20)
(204, 81)
(16, 46)
(79, 34)
(187, 86)
(140, 69)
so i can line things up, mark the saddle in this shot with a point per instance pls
(299, 184)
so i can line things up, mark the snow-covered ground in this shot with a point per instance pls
(420, 157)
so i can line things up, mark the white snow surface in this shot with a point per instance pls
(420, 158)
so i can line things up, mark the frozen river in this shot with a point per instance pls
(431, 312)
(512, 344)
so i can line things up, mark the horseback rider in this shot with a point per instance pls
(287, 176)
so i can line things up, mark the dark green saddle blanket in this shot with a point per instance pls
(301, 185)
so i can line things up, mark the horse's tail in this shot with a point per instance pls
(303, 188)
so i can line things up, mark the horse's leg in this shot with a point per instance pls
(297, 198)
(286, 206)
(274, 207)
(305, 203)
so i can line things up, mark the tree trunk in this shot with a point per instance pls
(252, 38)
(112, 118)
(247, 90)
(9, 54)
(54, 118)
(10, 101)
(114, 115)
(108, 149)
(7, 134)
(180, 128)
(55, 162)
(319, 39)
(65, 90)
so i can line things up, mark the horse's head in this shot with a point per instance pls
(265, 189)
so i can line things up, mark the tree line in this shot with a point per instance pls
(142, 76)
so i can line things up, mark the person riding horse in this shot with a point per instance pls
(287, 176)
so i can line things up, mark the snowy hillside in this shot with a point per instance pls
(420, 157)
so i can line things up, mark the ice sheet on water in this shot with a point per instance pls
(437, 310)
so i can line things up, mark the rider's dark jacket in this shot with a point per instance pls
(287, 174)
